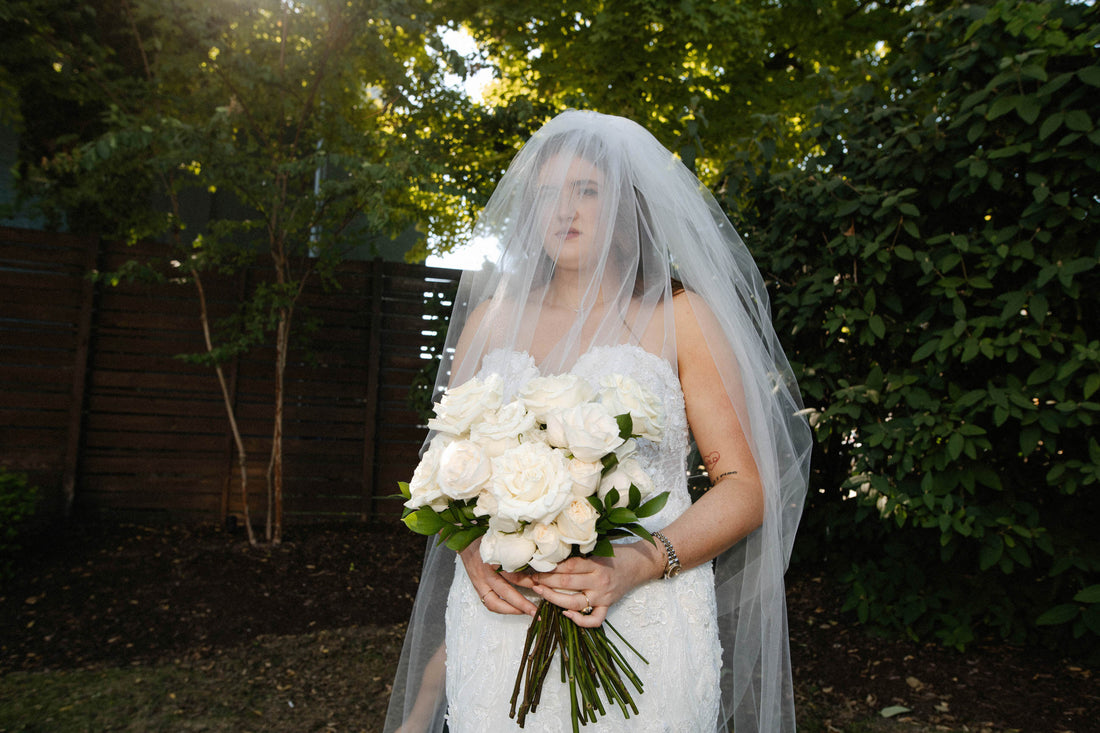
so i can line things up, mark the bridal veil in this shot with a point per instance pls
(656, 230)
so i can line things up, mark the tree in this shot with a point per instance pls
(697, 74)
(301, 119)
(936, 267)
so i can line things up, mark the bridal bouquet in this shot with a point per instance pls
(547, 476)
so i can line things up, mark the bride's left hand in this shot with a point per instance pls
(600, 581)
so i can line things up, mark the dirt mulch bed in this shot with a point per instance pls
(101, 596)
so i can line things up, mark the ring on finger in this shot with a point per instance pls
(587, 610)
(487, 595)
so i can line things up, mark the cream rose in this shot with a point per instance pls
(549, 547)
(623, 395)
(510, 550)
(586, 477)
(588, 431)
(463, 469)
(531, 483)
(545, 395)
(624, 474)
(577, 524)
(464, 405)
(499, 430)
(424, 488)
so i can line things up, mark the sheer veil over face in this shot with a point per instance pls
(598, 229)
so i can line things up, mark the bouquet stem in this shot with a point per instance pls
(589, 660)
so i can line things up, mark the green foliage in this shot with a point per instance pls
(694, 73)
(17, 503)
(935, 264)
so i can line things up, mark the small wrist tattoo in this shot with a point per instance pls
(722, 476)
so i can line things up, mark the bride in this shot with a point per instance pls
(615, 260)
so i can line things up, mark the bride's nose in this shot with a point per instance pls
(567, 207)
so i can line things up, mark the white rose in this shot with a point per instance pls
(463, 468)
(486, 504)
(464, 405)
(621, 395)
(510, 550)
(531, 483)
(622, 476)
(577, 524)
(424, 488)
(589, 431)
(544, 395)
(586, 477)
(501, 429)
(627, 449)
(549, 547)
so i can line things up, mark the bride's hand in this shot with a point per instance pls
(599, 581)
(496, 590)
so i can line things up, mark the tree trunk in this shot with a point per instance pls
(242, 457)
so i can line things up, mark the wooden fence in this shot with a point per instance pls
(97, 409)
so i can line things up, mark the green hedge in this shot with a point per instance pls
(936, 280)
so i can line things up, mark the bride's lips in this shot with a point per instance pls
(567, 233)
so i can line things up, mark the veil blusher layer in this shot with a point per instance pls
(655, 225)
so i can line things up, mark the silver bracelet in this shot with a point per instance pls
(672, 568)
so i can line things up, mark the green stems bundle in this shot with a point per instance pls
(589, 660)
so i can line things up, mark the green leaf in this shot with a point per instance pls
(652, 506)
(1050, 125)
(955, 445)
(925, 350)
(622, 515)
(404, 487)
(1090, 75)
(459, 541)
(603, 548)
(424, 521)
(626, 425)
(1000, 106)
(610, 499)
(877, 325)
(1058, 615)
(635, 497)
(1088, 595)
(1078, 120)
(991, 551)
(1028, 108)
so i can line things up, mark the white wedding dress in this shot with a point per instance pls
(670, 622)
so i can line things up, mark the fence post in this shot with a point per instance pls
(374, 367)
(74, 430)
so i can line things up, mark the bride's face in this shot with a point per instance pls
(570, 210)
